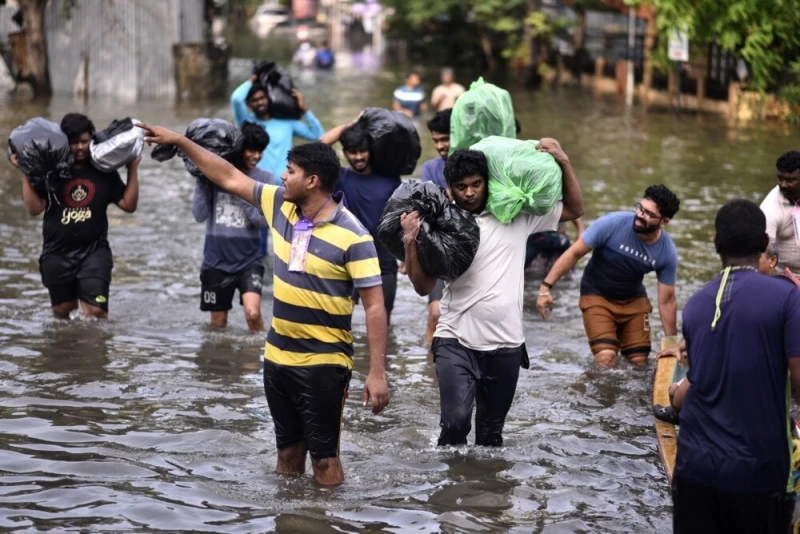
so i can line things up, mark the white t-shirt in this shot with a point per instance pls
(482, 309)
(780, 228)
(448, 95)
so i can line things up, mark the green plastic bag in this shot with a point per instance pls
(520, 178)
(482, 111)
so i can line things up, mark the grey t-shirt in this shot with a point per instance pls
(482, 309)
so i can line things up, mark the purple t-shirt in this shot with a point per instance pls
(734, 433)
(620, 259)
(433, 171)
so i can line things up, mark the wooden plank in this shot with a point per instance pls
(666, 434)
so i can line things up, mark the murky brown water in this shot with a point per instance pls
(151, 422)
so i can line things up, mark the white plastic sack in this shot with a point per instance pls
(117, 145)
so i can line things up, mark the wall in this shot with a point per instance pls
(119, 48)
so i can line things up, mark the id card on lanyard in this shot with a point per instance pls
(301, 237)
(796, 223)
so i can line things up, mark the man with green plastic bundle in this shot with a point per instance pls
(479, 344)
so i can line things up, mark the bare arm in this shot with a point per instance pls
(423, 284)
(668, 309)
(34, 203)
(794, 372)
(332, 136)
(376, 389)
(130, 200)
(679, 395)
(213, 167)
(579, 227)
(571, 189)
(436, 98)
(564, 264)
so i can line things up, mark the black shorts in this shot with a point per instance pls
(217, 287)
(86, 278)
(701, 509)
(436, 294)
(306, 404)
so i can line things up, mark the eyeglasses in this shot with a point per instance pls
(641, 209)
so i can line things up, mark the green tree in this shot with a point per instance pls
(763, 32)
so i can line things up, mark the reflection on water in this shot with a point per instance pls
(155, 422)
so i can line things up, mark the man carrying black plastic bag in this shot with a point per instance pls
(76, 259)
(479, 344)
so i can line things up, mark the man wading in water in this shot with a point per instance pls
(479, 344)
(733, 467)
(613, 299)
(76, 260)
(321, 252)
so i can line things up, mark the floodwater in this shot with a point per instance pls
(153, 422)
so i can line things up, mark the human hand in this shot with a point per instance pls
(376, 391)
(672, 352)
(134, 163)
(402, 268)
(158, 135)
(552, 147)
(544, 303)
(410, 222)
(301, 102)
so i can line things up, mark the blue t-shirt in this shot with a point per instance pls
(620, 259)
(734, 433)
(281, 132)
(233, 226)
(433, 171)
(365, 197)
(410, 99)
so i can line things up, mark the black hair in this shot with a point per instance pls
(440, 123)
(517, 125)
(320, 159)
(463, 163)
(668, 204)
(76, 124)
(412, 71)
(788, 162)
(256, 87)
(355, 137)
(255, 137)
(740, 226)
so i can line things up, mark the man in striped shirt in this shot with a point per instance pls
(322, 253)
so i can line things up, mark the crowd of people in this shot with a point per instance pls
(741, 330)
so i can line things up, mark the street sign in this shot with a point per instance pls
(678, 47)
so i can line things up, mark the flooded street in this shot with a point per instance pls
(153, 422)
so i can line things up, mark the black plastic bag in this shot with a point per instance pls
(279, 86)
(215, 135)
(448, 236)
(395, 146)
(43, 153)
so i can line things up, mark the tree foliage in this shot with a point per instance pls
(763, 32)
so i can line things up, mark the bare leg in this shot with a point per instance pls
(328, 471)
(62, 311)
(639, 360)
(219, 319)
(252, 311)
(606, 358)
(93, 311)
(433, 320)
(292, 459)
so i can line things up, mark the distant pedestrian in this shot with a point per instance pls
(410, 97)
(325, 57)
(444, 96)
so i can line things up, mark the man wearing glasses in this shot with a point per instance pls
(615, 307)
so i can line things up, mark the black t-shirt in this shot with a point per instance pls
(75, 221)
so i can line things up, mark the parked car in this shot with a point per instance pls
(267, 17)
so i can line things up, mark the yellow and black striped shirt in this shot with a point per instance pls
(311, 311)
